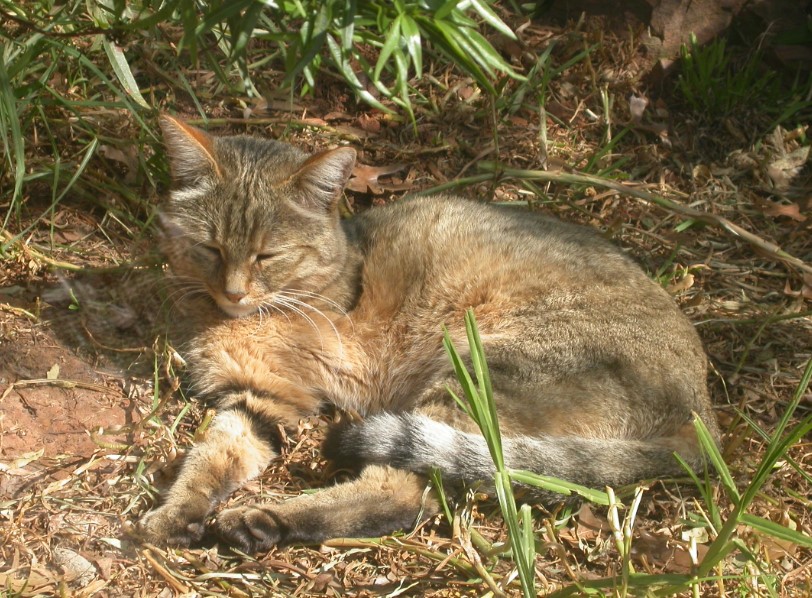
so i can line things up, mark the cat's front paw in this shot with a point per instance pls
(249, 529)
(170, 526)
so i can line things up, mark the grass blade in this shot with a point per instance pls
(776, 530)
(491, 18)
(121, 68)
(14, 147)
(389, 46)
(559, 486)
(715, 455)
(411, 35)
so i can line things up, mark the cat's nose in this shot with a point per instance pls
(234, 297)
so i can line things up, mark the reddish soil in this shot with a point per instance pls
(53, 415)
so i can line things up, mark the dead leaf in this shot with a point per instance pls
(53, 373)
(805, 291)
(682, 562)
(75, 567)
(637, 106)
(681, 285)
(590, 526)
(369, 123)
(775, 209)
(105, 566)
(71, 235)
(17, 465)
(365, 178)
(786, 168)
(128, 158)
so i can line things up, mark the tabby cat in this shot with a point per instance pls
(595, 370)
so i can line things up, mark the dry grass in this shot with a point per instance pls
(64, 510)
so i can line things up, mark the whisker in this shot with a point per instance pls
(310, 294)
(295, 301)
(288, 302)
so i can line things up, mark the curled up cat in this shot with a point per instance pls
(596, 372)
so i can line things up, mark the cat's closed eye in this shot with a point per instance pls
(211, 250)
(268, 255)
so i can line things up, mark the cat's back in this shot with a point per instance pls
(429, 259)
(447, 237)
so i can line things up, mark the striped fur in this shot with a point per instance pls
(283, 307)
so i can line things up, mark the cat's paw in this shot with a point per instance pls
(169, 526)
(249, 529)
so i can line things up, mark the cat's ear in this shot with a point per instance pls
(322, 178)
(167, 226)
(191, 151)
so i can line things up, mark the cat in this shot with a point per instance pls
(596, 372)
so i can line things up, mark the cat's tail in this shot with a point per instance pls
(418, 443)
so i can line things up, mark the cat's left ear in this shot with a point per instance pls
(323, 176)
(191, 151)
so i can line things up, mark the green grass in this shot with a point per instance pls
(725, 530)
(716, 83)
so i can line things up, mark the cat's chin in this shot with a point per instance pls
(236, 310)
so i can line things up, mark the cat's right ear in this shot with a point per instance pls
(191, 151)
(322, 177)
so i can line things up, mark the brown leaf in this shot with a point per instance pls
(683, 284)
(590, 526)
(365, 178)
(806, 288)
(775, 209)
(129, 158)
(637, 106)
(105, 566)
(369, 123)
(787, 167)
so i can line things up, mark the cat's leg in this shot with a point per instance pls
(382, 500)
(237, 447)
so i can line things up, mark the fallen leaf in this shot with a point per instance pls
(21, 461)
(369, 123)
(76, 568)
(683, 284)
(105, 566)
(53, 373)
(365, 178)
(700, 534)
(806, 288)
(786, 168)
(637, 106)
(775, 209)
(590, 525)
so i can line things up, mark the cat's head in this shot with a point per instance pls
(254, 221)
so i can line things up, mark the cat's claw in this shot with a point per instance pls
(168, 526)
(249, 529)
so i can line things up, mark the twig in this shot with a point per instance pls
(769, 248)
(163, 572)
(393, 544)
(18, 311)
(56, 382)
